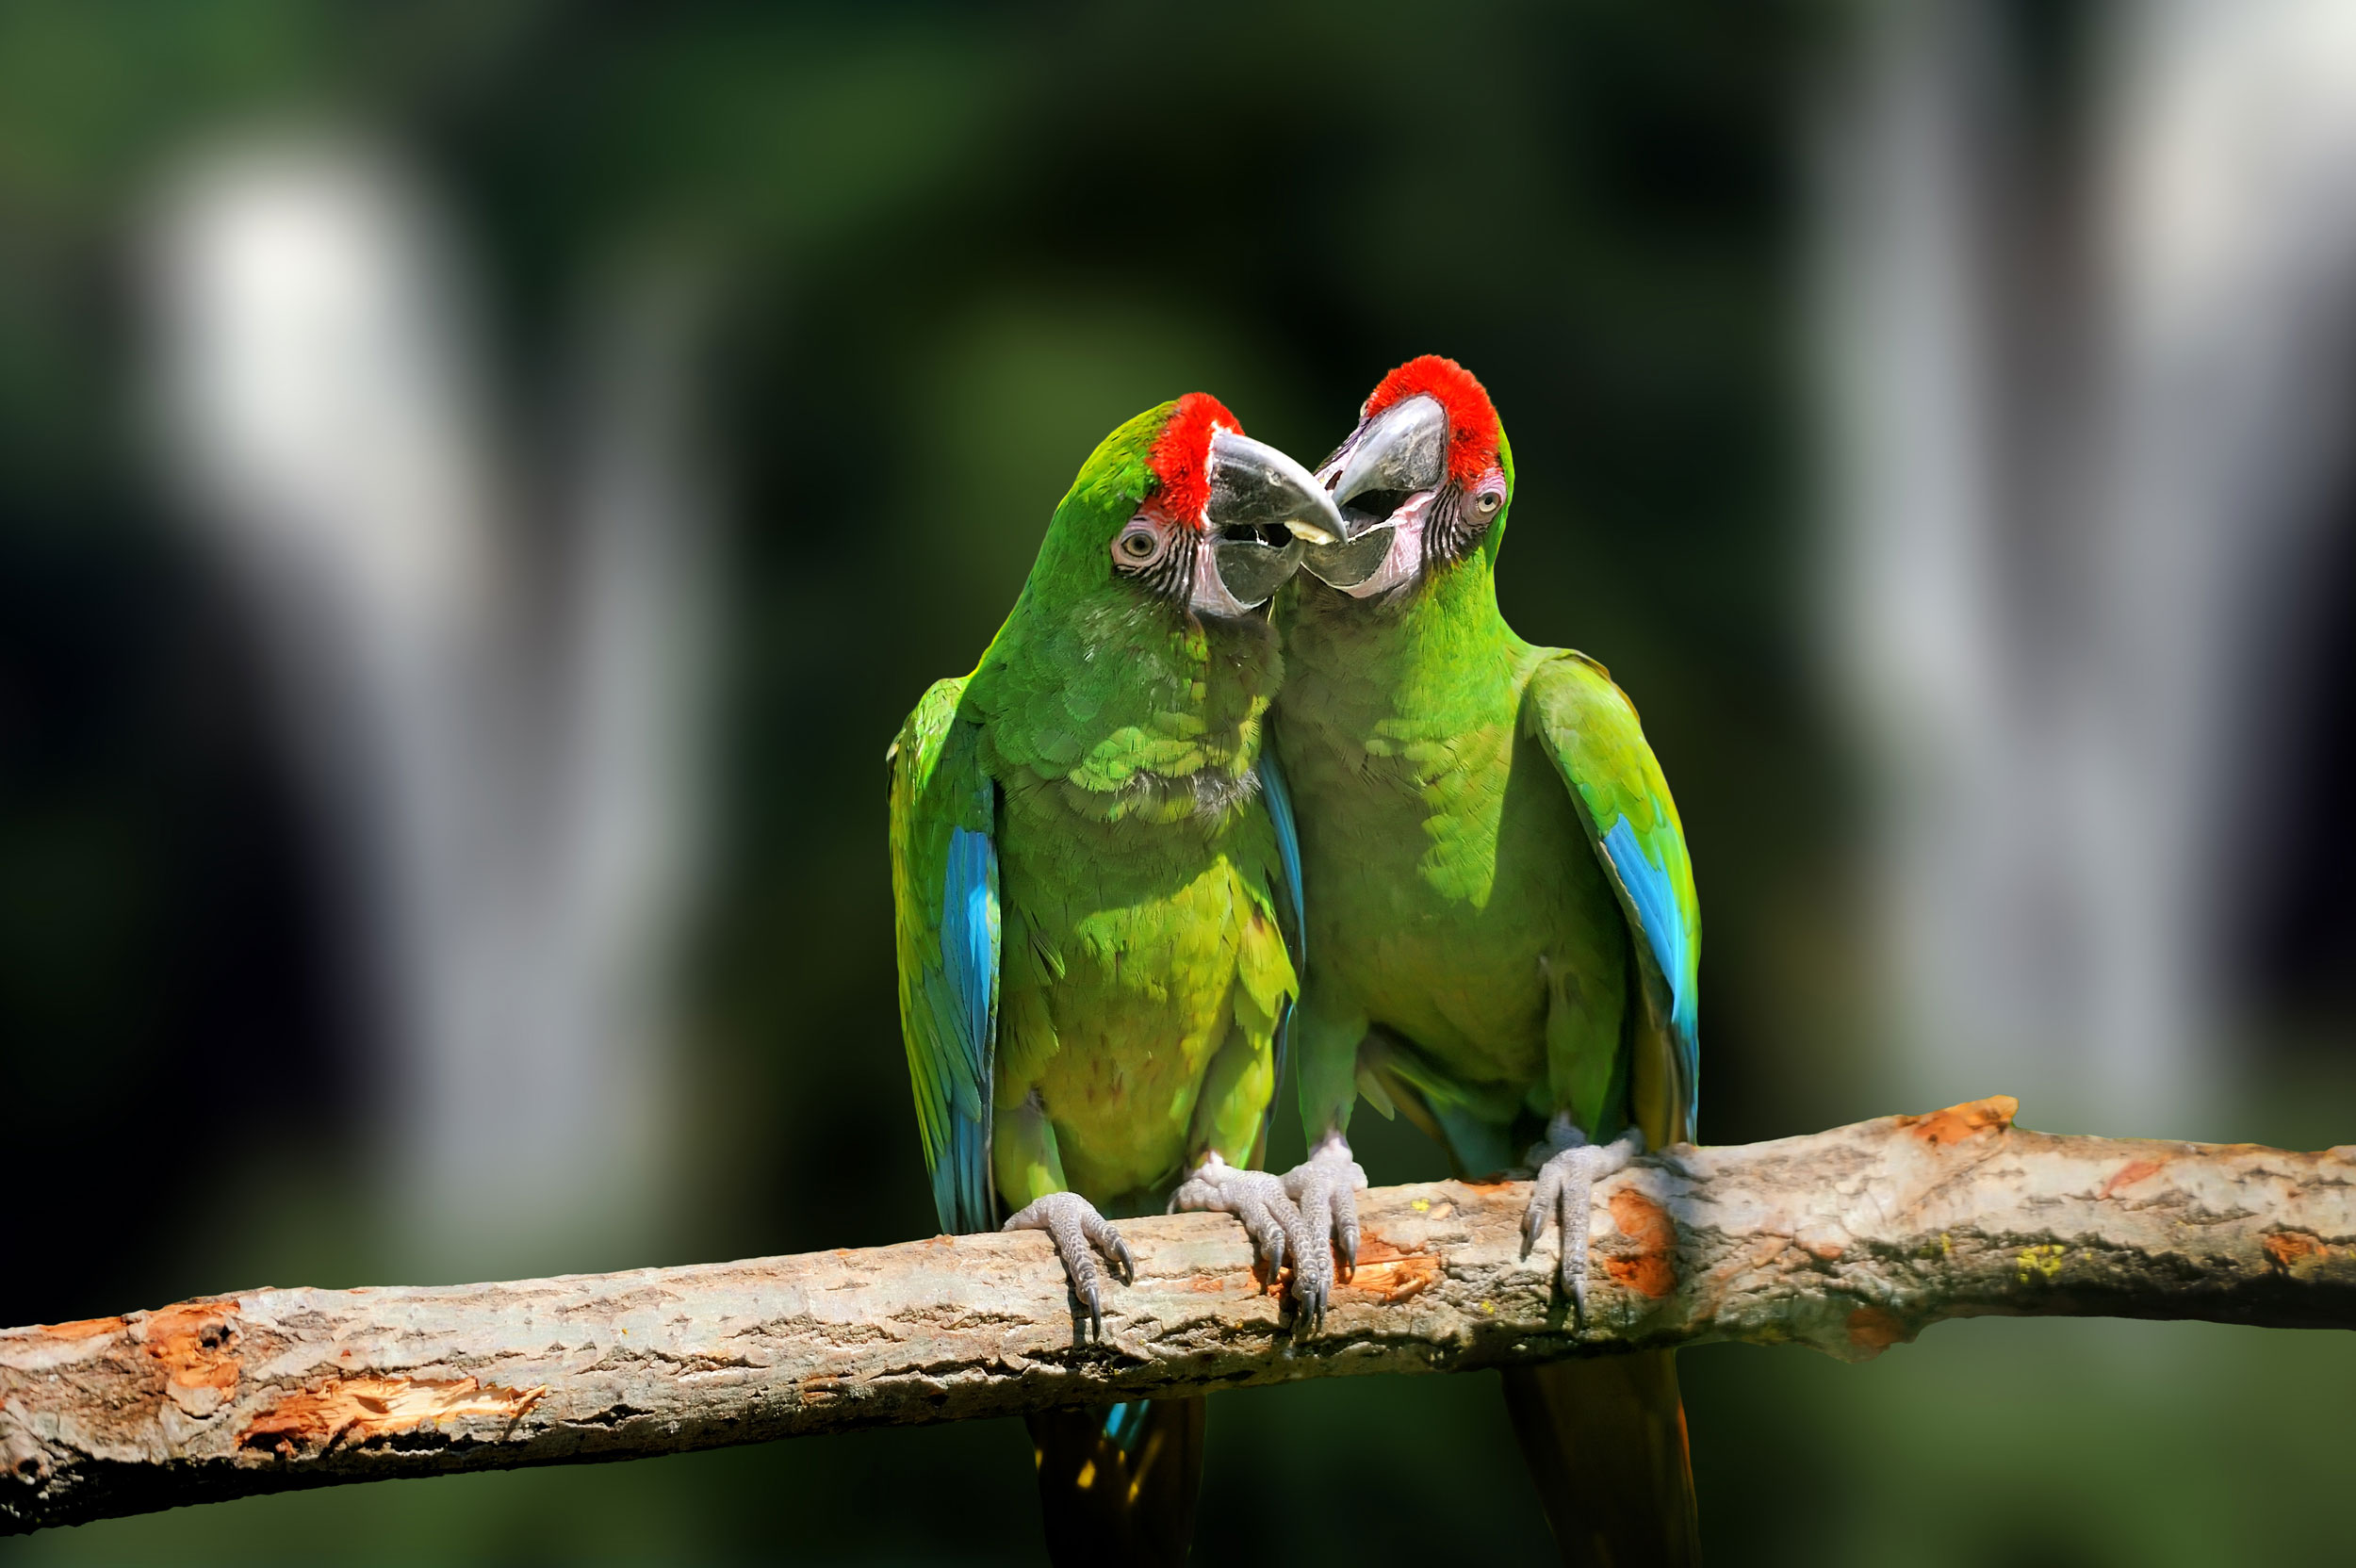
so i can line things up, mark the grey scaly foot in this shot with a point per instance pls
(1254, 1197)
(1074, 1225)
(1325, 1187)
(1568, 1168)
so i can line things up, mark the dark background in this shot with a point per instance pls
(951, 247)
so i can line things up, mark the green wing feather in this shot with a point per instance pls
(944, 887)
(1590, 730)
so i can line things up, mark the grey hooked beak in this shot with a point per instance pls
(1395, 456)
(1403, 449)
(1255, 486)
(1263, 506)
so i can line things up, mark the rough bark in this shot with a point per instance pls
(1851, 1241)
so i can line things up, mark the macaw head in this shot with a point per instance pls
(1196, 514)
(1422, 483)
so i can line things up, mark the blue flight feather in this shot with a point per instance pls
(962, 1189)
(1280, 810)
(1124, 1421)
(1655, 901)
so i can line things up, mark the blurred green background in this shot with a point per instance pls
(945, 249)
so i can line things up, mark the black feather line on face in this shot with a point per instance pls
(1450, 533)
(1172, 576)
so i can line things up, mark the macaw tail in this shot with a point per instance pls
(1118, 1486)
(1605, 1440)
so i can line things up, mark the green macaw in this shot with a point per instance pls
(1502, 929)
(1098, 898)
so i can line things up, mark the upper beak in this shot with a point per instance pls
(1263, 506)
(1254, 486)
(1400, 451)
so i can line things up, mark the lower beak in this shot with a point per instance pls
(1349, 562)
(1251, 571)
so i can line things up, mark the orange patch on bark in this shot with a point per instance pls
(195, 1346)
(85, 1328)
(1873, 1328)
(2288, 1247)
(1958, 1122)
(362, 1407)
(2129, 1174)
(1821, 1242)
(1391, 1274)
(1651, 1269)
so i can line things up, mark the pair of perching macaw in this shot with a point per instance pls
(1190, 806)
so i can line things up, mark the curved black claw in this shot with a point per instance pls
(1074, 1225)
(1568, 1168)
(1325, 1187)
(1253, 1197)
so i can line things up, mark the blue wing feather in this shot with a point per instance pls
(1280, 810)
(945, 904)
(1591, 733)
(962, 1189)
(1663, 928)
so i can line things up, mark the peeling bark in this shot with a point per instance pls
(1850, 1241)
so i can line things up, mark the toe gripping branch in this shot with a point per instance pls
(1325, 1187)
(1568, 1168)
(1306, 1215)
(1079, 1233)
(1258, 1199)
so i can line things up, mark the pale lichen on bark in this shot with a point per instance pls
(1850, 1241)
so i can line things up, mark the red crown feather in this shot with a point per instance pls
(1472, 418)
(1181, 456)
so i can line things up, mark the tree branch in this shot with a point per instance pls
(1850, 1241)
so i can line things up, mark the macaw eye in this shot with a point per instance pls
(1138, 545)
(1486, 503)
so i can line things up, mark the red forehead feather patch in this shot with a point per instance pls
(1181, 456)
(1472, 419)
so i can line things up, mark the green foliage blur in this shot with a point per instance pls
(957, 245)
